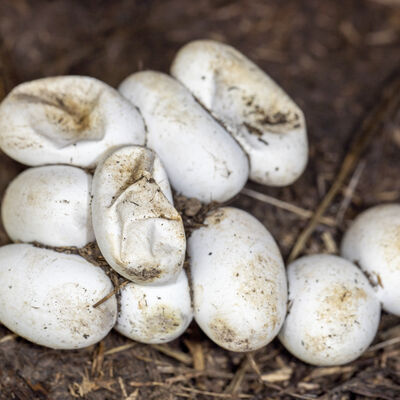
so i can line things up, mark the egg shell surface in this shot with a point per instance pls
(266, 122)
(373, 243)
(333, 313)
(201, 158)
(49, 205)
(48, 297)
(138, 230)
(155, 314)
(238, 280)
(66, 120)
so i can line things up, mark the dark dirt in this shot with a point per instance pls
(332, 57)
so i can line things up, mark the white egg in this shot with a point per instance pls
(333, 314)
(238, 280)
(256, 111)
(48, 297)
(201, 158)
(373, 243)
(66, 120)
(138, 230)
(49, 205)
(155, 314)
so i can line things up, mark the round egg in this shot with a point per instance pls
(373, 243)
(66, 120)
(265, 121)
(238, 280)
(49, 205)
(201, 158)
(333, 314)
(155, 314)
(137, 228)
(48, 297)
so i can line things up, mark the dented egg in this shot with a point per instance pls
(373, 243)
(48, 297)
(265, 121)
(49, 205)
(333, 314)
(66, 120)
(238, 280)
(137, 228)
(201, 158)
(155, 314)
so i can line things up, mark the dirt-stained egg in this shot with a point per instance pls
(48, 297)
(373, 243)
(254, 109)
(238, 280)
(333, 314)
(155, 314)
(49, 205)
(137, 228)
(66, 120)
(201, 158)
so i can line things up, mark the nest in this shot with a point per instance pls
(333, 60)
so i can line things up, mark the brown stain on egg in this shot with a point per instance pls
(158, 321)
(223, 334)
(142, 274)
(258, 286)
(72, 113)
(340, 304)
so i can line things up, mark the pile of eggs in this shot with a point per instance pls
(102, 164)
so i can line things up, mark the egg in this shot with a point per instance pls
(155, 314)
(66, 120)
(238, 280)
(137, 228)
(49, 205)
(373, 243)
(201, 158)
(48, 297)
(254, 109)
(333, 314)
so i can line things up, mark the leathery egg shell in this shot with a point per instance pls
(333, 314)
(256, 111)
(66, 120)
(238, 280)
(48, 297)
(155, 314)
(49, 205)
(373, 243)
(202, 160)
(138, 230)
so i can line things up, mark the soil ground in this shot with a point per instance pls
(333, 58)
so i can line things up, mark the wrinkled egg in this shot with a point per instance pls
(238, 280)
(155, 314)
(333, 313)
(201, 158)
(137, 228)
(373, 242)
(48, 297)
(66, 120)
(49, 205)
(255, 110)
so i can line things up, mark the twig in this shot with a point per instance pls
(119, 349)
(382, 345)
(236, 382)
(301, 212)
(176, 354)
(385, 107)
(214, 394)
(115, 291)
(349, 192)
